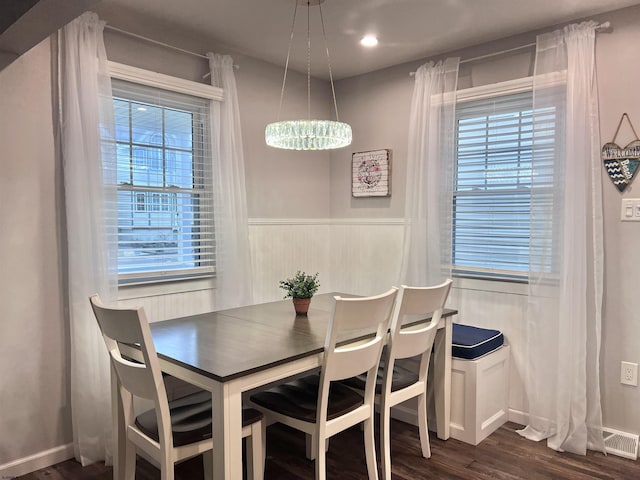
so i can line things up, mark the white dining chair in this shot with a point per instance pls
(173, 430)
(413, 329)
(319, 405)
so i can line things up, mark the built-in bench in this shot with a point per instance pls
(479, 383)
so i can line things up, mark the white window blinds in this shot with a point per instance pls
(165, 202)
(492, 200)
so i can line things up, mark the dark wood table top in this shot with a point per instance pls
(232, 343)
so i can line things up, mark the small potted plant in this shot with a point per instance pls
(301, 287)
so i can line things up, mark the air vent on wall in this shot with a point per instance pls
(620, 443)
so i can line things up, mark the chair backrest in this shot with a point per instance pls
(413, 309)
(356, 334)
(140, 379)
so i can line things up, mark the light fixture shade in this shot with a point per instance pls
(308, 134)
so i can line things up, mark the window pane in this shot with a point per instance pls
(147, 166)
(121, 118)
(179, 129)
(124, 164)
(146, 124)
(180, 169)
(165, 213)
(492, 200)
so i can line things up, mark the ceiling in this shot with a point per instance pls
(407, 29)
(25, 23)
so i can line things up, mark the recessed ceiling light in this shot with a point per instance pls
(369, 41)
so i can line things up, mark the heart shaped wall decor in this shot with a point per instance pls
(621, 163)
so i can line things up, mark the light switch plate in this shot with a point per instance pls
(630, 210)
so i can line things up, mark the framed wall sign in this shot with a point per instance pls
(371, 173)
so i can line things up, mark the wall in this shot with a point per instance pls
(287, 191)
(301, 213)
(617, 64)
(369, 101)
(34, 402)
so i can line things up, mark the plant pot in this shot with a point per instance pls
(301, 305)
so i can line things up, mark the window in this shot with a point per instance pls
(492, 196)
(165, 206)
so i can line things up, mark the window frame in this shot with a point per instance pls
(173, 84)
(511, 87)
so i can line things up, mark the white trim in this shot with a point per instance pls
(128, 292)
(496, 286)
(517, 85)
(289, 221)
(408, 415)
(518, 416)
(368, 221)
(326, 221)
(509, 87)
(37, 461)
(502, 88)
(166, 82)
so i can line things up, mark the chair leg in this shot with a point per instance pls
(320, 455)
(207, 463)
(385, 441)
(263, 437)
(166, 468)
(310, 448)
(255, 459)
(422, 426)
(129, 461)
(370, 448)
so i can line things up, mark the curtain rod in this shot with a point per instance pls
(603, 26)
(157, 42)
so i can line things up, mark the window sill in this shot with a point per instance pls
(496, 286)
(126, 292)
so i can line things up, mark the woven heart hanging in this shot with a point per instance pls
(622, 163)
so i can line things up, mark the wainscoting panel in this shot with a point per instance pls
(365, 255)
(279, 248)
(162, 305)
(359, 256)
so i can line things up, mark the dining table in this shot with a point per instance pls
(230, 352)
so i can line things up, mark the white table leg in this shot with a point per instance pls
(117, 417)
(227, 431)
(442, 377)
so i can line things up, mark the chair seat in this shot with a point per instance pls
(402, 378)
(299, 399)
(190, 419)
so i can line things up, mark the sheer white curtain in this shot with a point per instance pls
(233, 260)
(86, 112)
(426, 256)
(566, 247)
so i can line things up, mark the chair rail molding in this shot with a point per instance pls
(325, 221)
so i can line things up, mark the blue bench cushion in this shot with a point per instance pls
(473, 342)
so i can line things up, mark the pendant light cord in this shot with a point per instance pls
(308, 60)
(286, 65)
(326, 47)
(308, 134)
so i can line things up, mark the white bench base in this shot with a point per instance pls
(479, 395)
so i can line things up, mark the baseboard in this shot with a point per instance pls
(405, 414)
(36, 461)
(408, 415)
(518, 416)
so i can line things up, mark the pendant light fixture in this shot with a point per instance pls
(308, 134)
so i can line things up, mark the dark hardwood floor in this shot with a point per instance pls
(504, 456)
